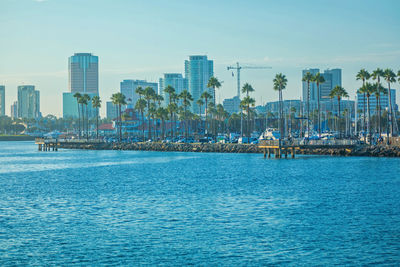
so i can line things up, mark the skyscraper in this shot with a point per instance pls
(198, 70)
(2, 100)
(28, 102)
(175, 80)
(14, 110)
(128, 88)
(111, 110)
(332, 78)
(83, 73)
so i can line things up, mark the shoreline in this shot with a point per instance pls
(363, 151)
(16, 138)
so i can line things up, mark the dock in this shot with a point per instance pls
(280, 148)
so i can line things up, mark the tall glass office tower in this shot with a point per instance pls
(198, 70)
(2, 100)
(83, 71)
(28, 102)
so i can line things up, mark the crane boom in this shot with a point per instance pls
(238, 68)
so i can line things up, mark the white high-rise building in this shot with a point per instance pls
(128, 88)
(198, 71)
(175, 80)
(28, 102)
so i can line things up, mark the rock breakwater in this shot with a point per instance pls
(366, 151)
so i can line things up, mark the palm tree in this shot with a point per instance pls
(78, 96)
(200, 103)
(96, 103)
(149, 95)
(338, 92)
(214, 83)
(172, 108)
(246, 103)
(139, 90)
(206, 96)
(82, 103)
(318, 79)
(364, 76)
(390, 77)
(157, 98)
(368, 89)
(280, 83)
(247, 88)
(140, 106)
(162, 114)
(170, 91)
(308, 77)
(186, 99)
(118, 99)
(86, 99)
(379, 90)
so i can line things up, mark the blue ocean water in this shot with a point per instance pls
(154, 208)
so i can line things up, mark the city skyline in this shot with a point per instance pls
(360, 34)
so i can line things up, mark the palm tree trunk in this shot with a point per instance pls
(364, 124)
(369, 122)
(97, 123)
(79, 120)
(308, 109)
(338, 123)
(318, 107)
(171, 126)
(149, 121)
(206, 121)
(142, 115)
(87, 123)
(379, 114)
(83, 120)
(390, 113)
(120, 123)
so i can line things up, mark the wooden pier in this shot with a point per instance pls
(280, 148)
(47, 144)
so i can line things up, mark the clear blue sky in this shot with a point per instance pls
(143, 39)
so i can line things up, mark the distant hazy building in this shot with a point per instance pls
(384, 99)
(232, 105)
(332, 78)
(70, 106)
(2, 100)
(288, 105)
(128, 88)
(83, 69)
(28, 102)
(175, 80)
(14, 110)
(198, 70)
(111, 110)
